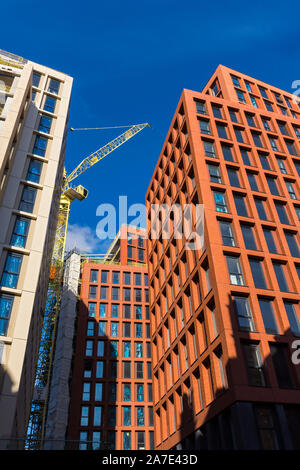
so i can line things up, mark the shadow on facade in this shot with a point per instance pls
(267, 419)
(97, 429)
(7, 404)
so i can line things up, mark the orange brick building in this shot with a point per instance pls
(111, 393)
(224, 318)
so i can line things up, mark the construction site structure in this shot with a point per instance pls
(37, 419)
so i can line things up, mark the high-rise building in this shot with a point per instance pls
(224, 317)
(111, 388)
(34, 108)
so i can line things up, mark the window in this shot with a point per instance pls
(235, 81)
(53, 86)
(252, 181)
(140, 416)
(104, 275)
(235, 271)
(115, 277)
(139, 370)
(34, 171)
(100, 348)
(233, 177)
(254, 365)
(227, 152)
(281, 165)
(127, 349)
(45, 124)
(217, 111)
(222, 132)
(126, 392)
(281, 365)
(209, 149)
(259, 203)
(101, 328)
(138, 295)
(96, 444)
(139, 350)
(214, 173)
(273, 143)
(291, 191)
(138, 312)
(99, 369)
(282, 213)
(40, 146)
(268, 233)
(97, 416)
(93, 275)
(240, 205)
(266, 427)
(264, 162)
(256, 139)
(127, 279)
(241, 96)
(272, 185)
(103, 292)
(114, 329)
(6, 303)
(140, 440)
(86, 391)
(248, 236)
(126, 293)
(146, 279)
(138, 279)
(89, 348)
(140, 392)
(138, 330)
(279, 271)
(257, 273)
(297, 166)
(27, 199)
(83, 440)
(126, 415)
(20, 232)
(87, 371)
(239, 135)
(227, 233)
(248, 86)
(90, 328)
(126, 440)
(127, 328)
(245, 156)
(263, 92)
(11, 270)
(141, 255)
(268, 105)
(98, 392)
(114, 310)
(266, 123)
(204, 126)
(126, 370)
(84, 420)
(282, 127)
(233, 115)
(243, 313)
(220, 200)
(102, 309)
(200, 107)
(36, 77)
(115, 293)
(292, 317)
(114, 347)
(268, 316)
(291, 147)
(292, 243)
(113, 389)
(250, 120)
(92, 292)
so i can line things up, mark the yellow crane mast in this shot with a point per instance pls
(37, 418)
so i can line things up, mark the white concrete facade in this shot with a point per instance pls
(32, 147)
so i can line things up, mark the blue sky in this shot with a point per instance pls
(130, 62)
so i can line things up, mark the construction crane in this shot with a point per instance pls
(37, 418)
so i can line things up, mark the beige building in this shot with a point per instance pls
(34, 108)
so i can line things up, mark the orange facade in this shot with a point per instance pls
(224, 318)
(111, 396)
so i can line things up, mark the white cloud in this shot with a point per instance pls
(83, 238)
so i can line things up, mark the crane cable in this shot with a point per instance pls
(99, 128)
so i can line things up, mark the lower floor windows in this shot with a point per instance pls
(6, 303)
